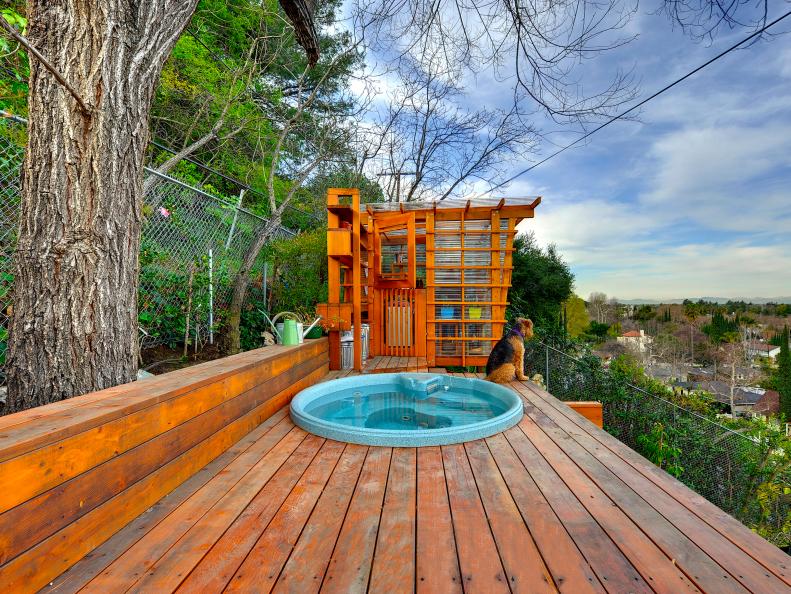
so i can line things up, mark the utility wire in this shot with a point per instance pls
(644, 101)
(208, 49)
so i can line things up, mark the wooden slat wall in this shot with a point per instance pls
(73, 476)
(499, 279)
(499, 295)
(431, 344)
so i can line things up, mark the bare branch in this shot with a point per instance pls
(44, 62)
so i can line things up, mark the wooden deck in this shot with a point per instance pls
(553, 504)
(391, 365)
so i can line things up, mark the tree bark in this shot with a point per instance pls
(74, 328)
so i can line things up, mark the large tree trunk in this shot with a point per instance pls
(230, 343)
(74, 327)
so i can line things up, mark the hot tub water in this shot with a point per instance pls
(406, 409)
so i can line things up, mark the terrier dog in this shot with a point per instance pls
(508, 355)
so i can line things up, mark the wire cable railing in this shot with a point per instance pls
(744, 473)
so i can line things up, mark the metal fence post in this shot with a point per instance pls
(211, 296)
(546, 376)
(233, 223)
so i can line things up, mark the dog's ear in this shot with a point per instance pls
(527, 327)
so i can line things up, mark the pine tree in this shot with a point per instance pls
(784, 375)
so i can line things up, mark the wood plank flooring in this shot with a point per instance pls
(552, 504)
(384, 364)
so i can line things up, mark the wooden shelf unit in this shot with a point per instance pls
(398, 268)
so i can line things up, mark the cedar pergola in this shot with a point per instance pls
(430, 279)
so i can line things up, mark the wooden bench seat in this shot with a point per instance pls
(74, 473)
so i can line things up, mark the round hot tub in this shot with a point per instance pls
(406, 409)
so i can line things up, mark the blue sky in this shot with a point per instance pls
(695, 198)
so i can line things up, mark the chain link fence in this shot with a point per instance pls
(11, 154)
(727, 467)
(192, 244)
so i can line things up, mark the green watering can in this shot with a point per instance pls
(290, 334)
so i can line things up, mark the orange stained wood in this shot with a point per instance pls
(590, 410)
(386, 364)
(472, 241)
(393, 568)
(110, 456)
(339, 242)
(552, 504)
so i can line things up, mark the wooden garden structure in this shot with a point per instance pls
(429, 279)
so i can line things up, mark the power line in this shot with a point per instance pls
(644, 101)
(208, 49)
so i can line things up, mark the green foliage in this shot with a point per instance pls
(777, 338)
(252, 324)
(163, 294)
(234, 73)
(300, 265)
(313, 196)
(575, 316)
(596, 332)
(722, 329)
(644, 313)
(657, 447)
(3, 344)
(541, 282)
(783, 375)
(14, 68)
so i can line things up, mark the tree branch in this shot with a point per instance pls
(36, 54)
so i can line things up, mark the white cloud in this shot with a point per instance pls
(714, 221)
(696, 270)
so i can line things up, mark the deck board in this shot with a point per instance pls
(524, 566)
(437, 563)
(305, 569)
(350, 565)
(393, 364)
(611, 566)
(394, 562)
(672, 527)
(553, 503)
(569, 568)
(262, 566)
(623, 460)
(652, 564)
(479, 560)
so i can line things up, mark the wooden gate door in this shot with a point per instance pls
(395, 278)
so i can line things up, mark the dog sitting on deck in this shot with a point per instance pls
(508, 355)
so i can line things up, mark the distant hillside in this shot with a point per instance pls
(756, 300)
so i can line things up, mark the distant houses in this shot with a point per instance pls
(744, 397)
(764, 350)
(635, 339)
(768, 404)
